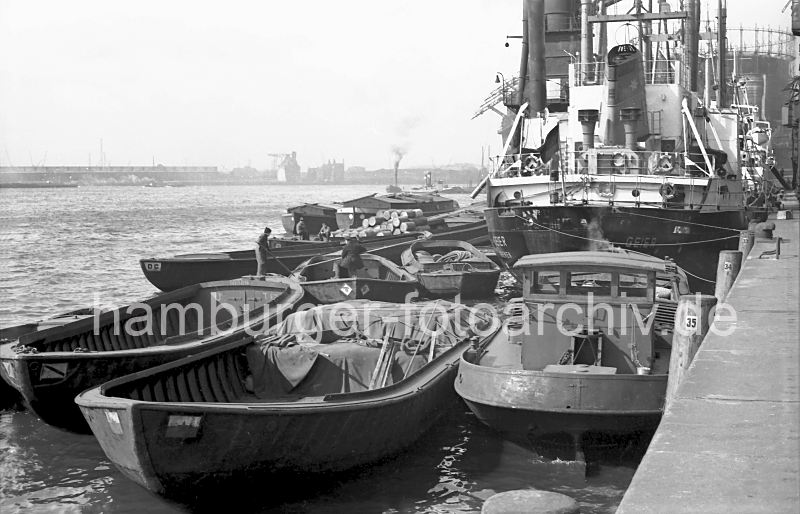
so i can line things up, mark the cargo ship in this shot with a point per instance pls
(620, 147)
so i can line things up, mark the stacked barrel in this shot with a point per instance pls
(388, 223)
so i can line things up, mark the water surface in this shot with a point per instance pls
(64, 249)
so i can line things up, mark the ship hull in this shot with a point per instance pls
(691, 238)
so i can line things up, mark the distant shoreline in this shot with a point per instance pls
(44, 185)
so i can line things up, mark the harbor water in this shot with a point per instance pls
(64, 249)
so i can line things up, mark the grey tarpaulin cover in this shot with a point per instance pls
(335, 348)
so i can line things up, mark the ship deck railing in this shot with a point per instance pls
(607, 161)
(656, 71)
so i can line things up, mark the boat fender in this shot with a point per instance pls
(667, 191)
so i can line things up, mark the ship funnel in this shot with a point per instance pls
(630, 120)
(588, 119)
(625, 80)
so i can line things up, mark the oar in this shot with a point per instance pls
(433, 347)
(374, 379)
(411, 362)
(389, 362)
(288, 271)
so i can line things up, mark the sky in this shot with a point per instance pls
(226, 84)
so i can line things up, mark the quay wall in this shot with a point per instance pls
(730, 442)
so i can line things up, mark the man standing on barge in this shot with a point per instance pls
(262, 249)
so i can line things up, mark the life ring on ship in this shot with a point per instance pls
(667, 191)
(618, 160)
(532, 164)
(665, 164)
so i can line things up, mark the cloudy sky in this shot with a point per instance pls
(227, 83)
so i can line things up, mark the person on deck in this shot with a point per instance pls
(262, 249)
(324, 232)
(351, 259)
(301, 230)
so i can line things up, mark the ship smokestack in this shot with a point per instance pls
(630, 120)
(588, 119)
(692, 41)
(537, 69)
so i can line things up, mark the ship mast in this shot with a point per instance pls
(722, 55)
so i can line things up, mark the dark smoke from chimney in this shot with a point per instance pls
(398, 152)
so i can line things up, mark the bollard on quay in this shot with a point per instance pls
(728, 266)
(746, 240)
(692, 320)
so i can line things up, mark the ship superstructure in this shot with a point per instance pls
(630, 154)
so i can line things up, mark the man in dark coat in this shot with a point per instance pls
(351, 258)
(262, 249)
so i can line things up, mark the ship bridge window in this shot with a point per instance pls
(585, 282)
(546, 282)
(633, 285)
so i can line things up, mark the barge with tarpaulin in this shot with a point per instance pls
(333, 388)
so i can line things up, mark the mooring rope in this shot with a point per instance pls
(683, 222)
(702, 241)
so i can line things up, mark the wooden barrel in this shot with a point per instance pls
(365, 223)
(396, 222)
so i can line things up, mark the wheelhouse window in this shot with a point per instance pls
(584, 282)
(546, 282)
(633, 285)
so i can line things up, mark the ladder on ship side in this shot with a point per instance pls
(499, 95)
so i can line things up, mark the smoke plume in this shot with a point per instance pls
(398, 152)
(597, 241)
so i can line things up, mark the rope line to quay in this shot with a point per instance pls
(683, 222)
(699, 277)
(682, 269)
(526, 220)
